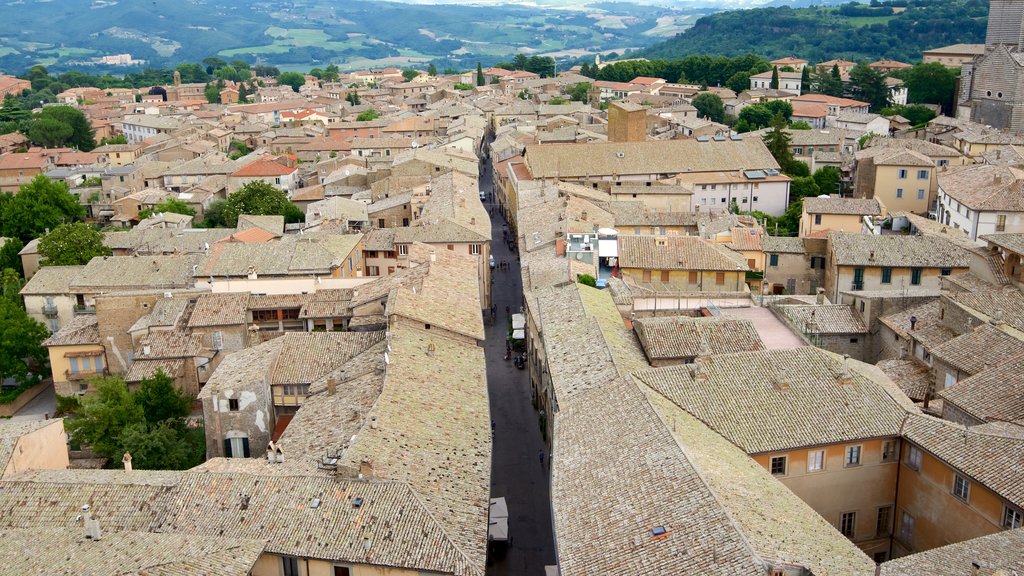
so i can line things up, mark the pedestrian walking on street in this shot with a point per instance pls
(507, 311)
(540, 456)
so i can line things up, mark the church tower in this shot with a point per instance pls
(1005, 23)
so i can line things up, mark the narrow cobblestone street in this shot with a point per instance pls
(516, 473)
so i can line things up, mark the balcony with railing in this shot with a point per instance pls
(50, 310)
(857, 285)
(83, 309)
(83, 374)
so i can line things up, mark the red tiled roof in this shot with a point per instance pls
(263, 168)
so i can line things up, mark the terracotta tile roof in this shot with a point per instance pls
(136, 272)
(666, 157)
(985, 188)
(434, 409)
(825, 318)
(999, 305)
(327, 422)
(307, 356)
(244, 368)
(578, 356)
(996, 554)
(985, 347)
(51, 280)
(803, 389)
(83, 329)
(995, 394)
(400, 530)
(926, 314)
(852, 206)
(263, 168)
(148, 368)
(676, 253)
(914, 378)
(448, 296)
(896, 251)
(678, 337)
(67, 551)
(779, 526)
(121, 501)
(604, 518)
(782, 245)
(990, 454)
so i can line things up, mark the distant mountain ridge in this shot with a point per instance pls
(819, 33)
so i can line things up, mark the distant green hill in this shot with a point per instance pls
(851, 31)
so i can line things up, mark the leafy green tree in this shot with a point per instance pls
(265, 71)
(916, 114)
(780, 107)
(170, 205)
(805, 78)
(13, 110)
(82, 134)
(408, 75)
(756, 116)
(710, 106)
(39, 205)
(432, 70)
(778, 141)
(331, 73)
(803, 186)
(480, 75)
(827, 83)
(587, 280)
(579, 92)
(353, 98)
(215, 215)
(867, 85)
(49, 133)
(160, 400)
(192, 73)
(800, 125)
(9, 259)
(118, 139)
(293, 79)
(161, 446)
(259, 198)
(797, 168)
(104, 415)
(212, 92)
(72, 245)
(827, 178)
(11, 284)
(367, 116)
(149, 423)
(21, 354)
(774, 83)
(931, 83)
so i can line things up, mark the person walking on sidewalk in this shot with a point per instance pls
(540, 456)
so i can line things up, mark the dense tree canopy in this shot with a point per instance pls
(709, 106)
(930, 83)
(259, 198)
(867, 85)
(20, 339)
(149, 423)
(39, 205)
(72, 244)
(81, 134)
(172, 205)
(819, 33)
(9, 258)
(293, 79)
